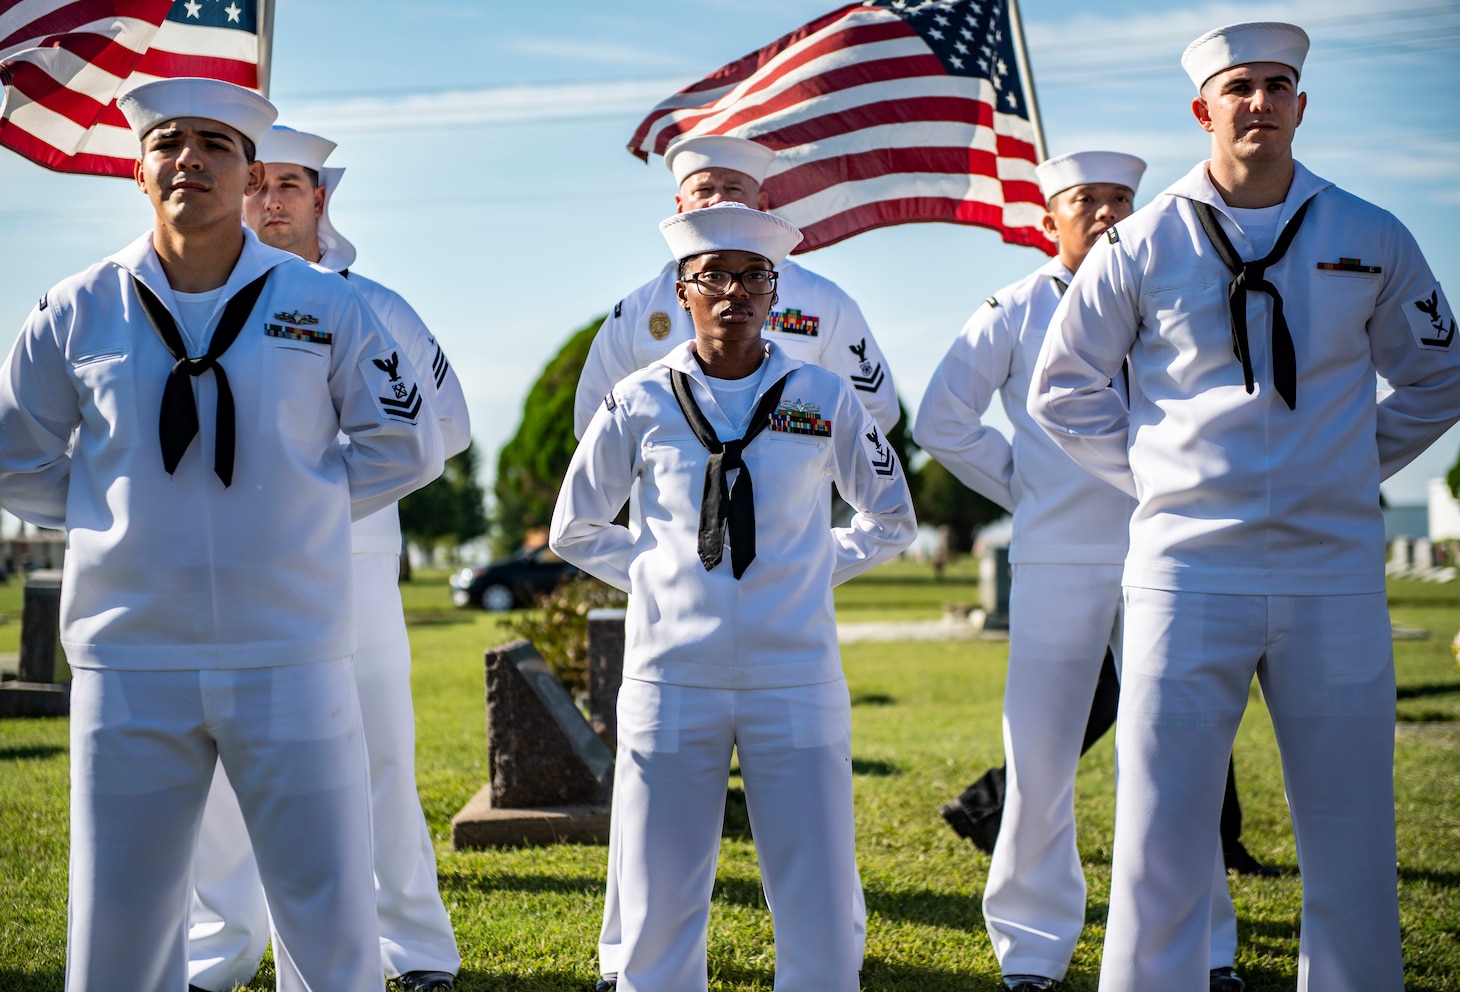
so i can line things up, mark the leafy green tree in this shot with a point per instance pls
(451, 510)
(939, 498)
(532, 464)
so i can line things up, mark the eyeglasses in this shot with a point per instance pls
(717, 282)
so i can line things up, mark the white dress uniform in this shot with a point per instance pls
(816, 323)
(1256, 545)
(1070, 538)
(713, 663)
(230, 924)
(204, 620)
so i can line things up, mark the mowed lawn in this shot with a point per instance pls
(926, 723)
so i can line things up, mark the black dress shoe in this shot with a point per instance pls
(978, 810)
(426, 981)
(1239, 860)
(1028, 983)
(606, 985)
(1226, 980)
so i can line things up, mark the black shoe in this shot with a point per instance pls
(1226, 980)
(977, 812)
(1028, 983)
(1240, 861)
(606, 985)
(426, 981)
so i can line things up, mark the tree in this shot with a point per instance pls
(532, 464)
(452, 509)
(940, 498)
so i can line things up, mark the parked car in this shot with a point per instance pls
(512, 583)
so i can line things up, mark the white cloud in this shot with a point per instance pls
(491, 105)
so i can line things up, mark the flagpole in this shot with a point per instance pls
(1026, 78)
(266, 45)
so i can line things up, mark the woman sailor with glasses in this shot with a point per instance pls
(731, 636)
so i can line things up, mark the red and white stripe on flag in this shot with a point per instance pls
(63, 63)
(885, 112)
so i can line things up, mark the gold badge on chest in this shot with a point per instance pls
(659, 325)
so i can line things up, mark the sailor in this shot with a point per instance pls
(1068, 544)
(816, 322)
(1255, 301)
(230, 925)
(206, 378)
(730, 634)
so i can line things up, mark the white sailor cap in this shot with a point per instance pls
(150, 104)
(1058, 174)
(687, 155)
(728, 226)
(1239, 44)
(284, 144)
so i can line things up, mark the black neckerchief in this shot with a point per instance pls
(178, 422)
(722, 505)
(1253, 275)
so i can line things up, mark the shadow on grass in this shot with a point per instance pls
(436, 618)
(526, 884)
(1427, 689)
(29, 752)
(471, 980)
(872, 699)
(874, 768)
(15, 980)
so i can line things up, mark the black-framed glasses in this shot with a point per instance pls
(717, 282)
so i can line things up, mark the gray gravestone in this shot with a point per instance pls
(541, 750)
(995, 582)
(551, 775)
(1424, 555)
(605, 671)
(35, 692)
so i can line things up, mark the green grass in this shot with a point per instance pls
(926, 723)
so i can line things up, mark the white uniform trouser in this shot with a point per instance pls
(230, 922)
(794, 749)
(1326, 666)
(144, 745)
(1034, 902)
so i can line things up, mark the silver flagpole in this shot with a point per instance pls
(266, 44)
(1026, 79)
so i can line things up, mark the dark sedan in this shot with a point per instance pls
(510, 584)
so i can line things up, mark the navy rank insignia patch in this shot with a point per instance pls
(991, 303)
(795, 417)
(1349, 265)
(1428, 321)
(609, 402)
(390, 379)
(299, 334)
(439, 365)
(618, 309)
(659, 325)
(296, 317)
(872, 376)
(793, 322)
(45, 301)
(1113, 236)
(883, 461)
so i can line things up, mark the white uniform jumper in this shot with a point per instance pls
(712, 663)
(816, 323)
(230, 923)
(205, 621)
(1070, 538)
(1256, 545)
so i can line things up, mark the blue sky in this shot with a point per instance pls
(489, 184)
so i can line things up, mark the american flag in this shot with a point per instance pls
(884, 112)
(64, 62)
